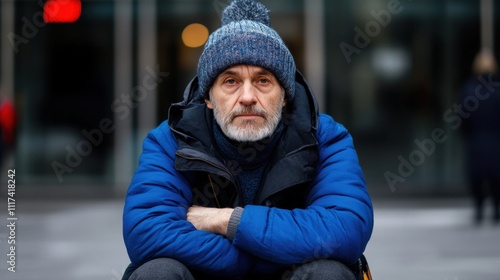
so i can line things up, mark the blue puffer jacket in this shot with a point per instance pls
(313, 202)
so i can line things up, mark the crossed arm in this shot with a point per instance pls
(159, 220)
(213, 220)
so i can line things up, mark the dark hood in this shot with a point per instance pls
(185, 117)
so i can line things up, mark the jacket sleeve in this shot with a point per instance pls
(154, 218)
(337, 222)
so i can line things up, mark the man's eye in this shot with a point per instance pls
(264, 81)
(230, 81)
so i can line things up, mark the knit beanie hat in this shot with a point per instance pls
(246, 38)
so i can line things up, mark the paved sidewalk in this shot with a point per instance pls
(75, 240)
(81, 240)
(432, 240)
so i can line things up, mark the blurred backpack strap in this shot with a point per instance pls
(361, 269)
(365, 269)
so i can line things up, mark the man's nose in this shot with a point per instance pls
(247, 94)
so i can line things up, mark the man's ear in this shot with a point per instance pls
(284, 102)
(209, 104)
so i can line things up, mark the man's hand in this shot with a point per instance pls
(213, 220)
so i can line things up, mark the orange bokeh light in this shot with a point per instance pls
(195, 35)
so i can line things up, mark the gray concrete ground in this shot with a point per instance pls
(412, 239)
(432, 240)
(72, 240)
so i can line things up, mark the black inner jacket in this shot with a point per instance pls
(287, 176)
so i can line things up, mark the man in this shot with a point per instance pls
(481, 128)
(246, 180)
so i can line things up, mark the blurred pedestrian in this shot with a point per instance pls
(482, 133)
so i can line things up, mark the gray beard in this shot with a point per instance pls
(248, 132)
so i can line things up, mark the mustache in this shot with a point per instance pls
(248, 110)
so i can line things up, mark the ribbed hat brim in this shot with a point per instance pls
(250, 43)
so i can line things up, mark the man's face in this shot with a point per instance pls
(247, 102)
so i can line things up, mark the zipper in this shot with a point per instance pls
(266, 173)
(217, 166)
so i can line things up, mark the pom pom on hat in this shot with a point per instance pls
(246, 10)
(246, 38)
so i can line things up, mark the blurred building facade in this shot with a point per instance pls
(87, 92)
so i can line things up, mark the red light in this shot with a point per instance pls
(62, 11)
(7, 121)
